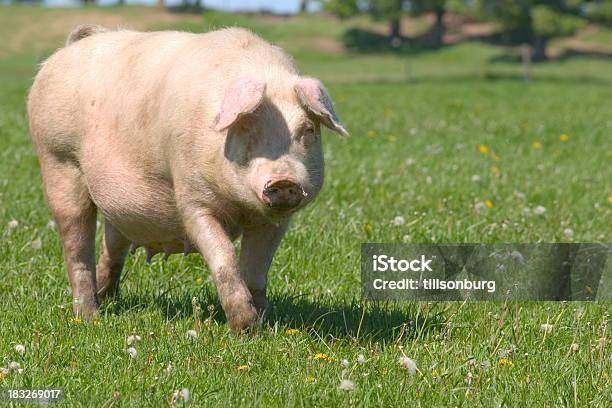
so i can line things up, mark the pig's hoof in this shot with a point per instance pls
(242, 318)
(86, 310)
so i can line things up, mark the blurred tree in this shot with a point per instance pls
(536, 21)
(390, 10)
(303, 6)
(438, 7)
(600, 11)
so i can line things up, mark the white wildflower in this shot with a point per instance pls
(346, 385)
(539, 210)
(4, 371)
(20, 348)
(399, 220)
(345, 363)
(476, 178)
(12, 224)
(169, 368)
(408, 364)
(546, 328)
(406, 238)
(192, 333)
(51, 224)
(485, 365)
(410, 161)
(361, 359)
(568, 233)
(132, 352)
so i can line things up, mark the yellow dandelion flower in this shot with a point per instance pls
(371, 133)
(95, 322)
(489, 203)
(484, 149)
(199, 280)
(243, 367)
(321, 356)
(292, 331)
(310, 380)
(610, 198)
(563, 137)
(75, 320)
(505, 362)
(367, 228)
(536, 145)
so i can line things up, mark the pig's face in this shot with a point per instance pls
(274, 143)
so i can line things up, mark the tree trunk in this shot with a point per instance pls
(160, 3)
(396, 27)
(539, 48)
(438, 34)
(303, 6)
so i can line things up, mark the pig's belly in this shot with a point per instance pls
(144, 210)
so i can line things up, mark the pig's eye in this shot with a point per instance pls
(309, 135)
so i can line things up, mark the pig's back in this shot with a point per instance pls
(133, 80)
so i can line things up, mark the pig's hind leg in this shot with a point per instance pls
(75, 214)
(114, 249)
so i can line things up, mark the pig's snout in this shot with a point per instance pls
(283, 193)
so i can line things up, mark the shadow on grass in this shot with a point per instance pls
(352, 319)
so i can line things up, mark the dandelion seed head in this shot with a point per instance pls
(408, 364)
(192, 334)
(132, 352)
(12, 224)
(346, 385)
(398, 221)
(37, 243)
(546, 328)
(361, 359)
(539, 210)
(20, 348)
(14, 366)
(568, 233)
(345, 363)
(185, 394)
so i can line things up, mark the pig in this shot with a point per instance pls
(184, 142)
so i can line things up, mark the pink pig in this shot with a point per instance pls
(184, 142)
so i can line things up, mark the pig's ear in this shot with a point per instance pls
(315, 99)
(242, 97)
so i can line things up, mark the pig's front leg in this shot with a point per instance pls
(213, 242)
(257, 250)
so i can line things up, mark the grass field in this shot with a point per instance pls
(434, 134)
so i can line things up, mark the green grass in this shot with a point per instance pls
(455, 99)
